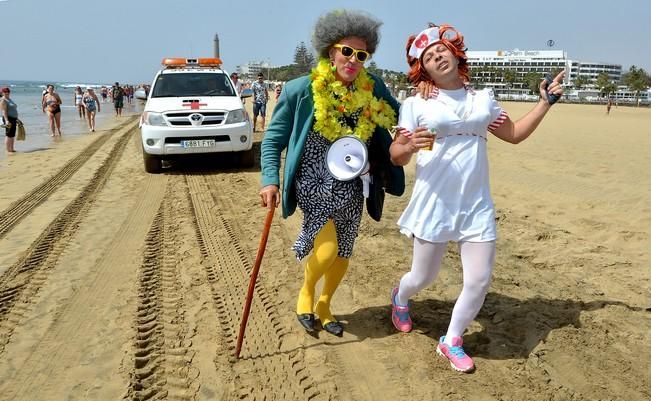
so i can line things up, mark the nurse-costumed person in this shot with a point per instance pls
(451, 198)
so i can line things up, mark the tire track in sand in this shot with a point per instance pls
(22, 281)
(162, 361)
(23, 206)
(266, 371)
(78, 317)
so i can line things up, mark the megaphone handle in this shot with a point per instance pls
(366, 184)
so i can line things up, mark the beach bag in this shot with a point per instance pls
(20, 131)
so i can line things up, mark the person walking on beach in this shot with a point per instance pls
(104, 93)
(118, 99)
(92, 105)
(9, 111)
(237, 83)
(278, 89)
(78, 95)
(260, 98)
(238, 86)
(128, 93)
(451, 198)
(52, 106)
(339, 98)
(609, 105)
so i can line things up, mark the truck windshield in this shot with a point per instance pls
(192, 84)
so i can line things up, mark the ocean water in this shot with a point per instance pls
(27, 95)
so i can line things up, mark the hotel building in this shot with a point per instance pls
(483, 65)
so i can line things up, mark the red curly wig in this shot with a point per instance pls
(454, 43)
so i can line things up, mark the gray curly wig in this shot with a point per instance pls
(335, 25)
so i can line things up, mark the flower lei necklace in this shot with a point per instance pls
(333, 100)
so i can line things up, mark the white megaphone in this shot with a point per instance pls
(347, 159)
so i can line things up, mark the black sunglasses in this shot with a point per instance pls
(347, 51)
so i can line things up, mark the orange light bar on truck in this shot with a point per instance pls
(178, 62)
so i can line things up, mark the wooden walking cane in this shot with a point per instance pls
(254, 278)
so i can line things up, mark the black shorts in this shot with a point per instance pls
(10, 132)
(259, 108)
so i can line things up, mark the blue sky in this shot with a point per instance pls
(124, 40)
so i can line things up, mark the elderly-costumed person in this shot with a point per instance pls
(339, 98)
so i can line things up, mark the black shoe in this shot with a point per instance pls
(307, 321)
(334, 328)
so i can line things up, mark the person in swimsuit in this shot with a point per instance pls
(78, 95)
(92, 106)
(9, 113)
(339, 98)
(52, 106)
(451, 198)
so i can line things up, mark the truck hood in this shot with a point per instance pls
(193, 103)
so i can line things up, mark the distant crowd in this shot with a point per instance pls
(86, 100)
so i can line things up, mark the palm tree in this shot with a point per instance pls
(509, 77)
(532, 80)
(637, 80)
(604, 84)
(580, 82)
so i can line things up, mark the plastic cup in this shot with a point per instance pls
(429, 147)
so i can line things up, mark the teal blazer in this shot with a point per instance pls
(288, 130)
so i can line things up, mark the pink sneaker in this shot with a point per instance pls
(459, 360)
(399, 314)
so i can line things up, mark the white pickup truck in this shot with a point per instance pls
(193, 107)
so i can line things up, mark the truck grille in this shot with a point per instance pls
(183, 118)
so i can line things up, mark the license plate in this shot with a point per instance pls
(198, 143)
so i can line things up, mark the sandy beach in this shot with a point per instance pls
(116, 284)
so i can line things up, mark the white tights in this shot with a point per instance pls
(477, 261)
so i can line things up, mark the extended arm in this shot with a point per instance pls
(518, 131)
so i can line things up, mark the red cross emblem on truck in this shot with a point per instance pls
(193, 104)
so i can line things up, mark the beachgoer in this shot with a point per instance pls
(52, 106)
(92, 106)
(9, 111)
(609, 105)
(278, 89)
(78, 95)
(339, 98)
(260, 98)
(104, 92)
(451, 198)
(118, 98)
(237, 83)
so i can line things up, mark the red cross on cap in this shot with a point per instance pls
(427, 37)
(422, 41)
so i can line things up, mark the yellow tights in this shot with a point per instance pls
(323, 262)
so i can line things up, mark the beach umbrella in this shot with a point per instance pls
(254, 278)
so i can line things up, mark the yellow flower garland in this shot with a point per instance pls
(333, 100)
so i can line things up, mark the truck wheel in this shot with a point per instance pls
(153, 164)
(247, 158)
